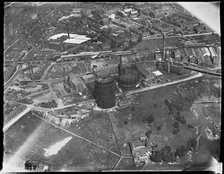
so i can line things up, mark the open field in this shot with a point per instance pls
(159, 110)
(101, 139)
(28, 140)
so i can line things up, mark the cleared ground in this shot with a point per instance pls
(30, 135)
(99, 141)
(168, 107)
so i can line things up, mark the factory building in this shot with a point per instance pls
(206, 55)
(199, 55)
(214, 55)
(218, 50)
(105, 92)
(73, 83)
(141, 151)
(188, 53)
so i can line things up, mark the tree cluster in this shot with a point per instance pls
(165, 155)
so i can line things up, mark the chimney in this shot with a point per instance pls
(168, 61)
(164, 47)
(68, 30)
(119, 65)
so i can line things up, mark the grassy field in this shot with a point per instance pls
(30, 135)
(134, 121)
(96, 128)
(99, 139)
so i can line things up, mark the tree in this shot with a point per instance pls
(156, 156)
(175, 131)
(181, 151)
(150, 119)
(120, 14)
(176, 125)
(151, 14)
(159, 127)
(148, 132)
(180, 119)
(192, 144)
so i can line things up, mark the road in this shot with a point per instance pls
(188, 35)
(164, 84)
(8, 5)
(11, 45)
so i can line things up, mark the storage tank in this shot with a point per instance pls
(105, 92)
(128, 81)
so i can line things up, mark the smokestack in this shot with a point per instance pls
(64, 72)
(168, 61)
(119, 66)
(68, 30)
(163, 47)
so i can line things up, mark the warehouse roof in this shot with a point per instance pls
(76, 40)
(56, 36)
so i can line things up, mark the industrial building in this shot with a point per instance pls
(73, 83)
(206, 55)
(199, 55)
(105, 92)
(141, 151)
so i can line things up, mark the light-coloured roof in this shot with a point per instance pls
(157, 73)
(77, 40)
(205, 51)
(112, 16)
(134, 12)
(56, 36)
(212, 51)
(127, 10)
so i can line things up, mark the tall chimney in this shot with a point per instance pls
(168, 61)
(119, 65)
(164, 47)
(68, 30)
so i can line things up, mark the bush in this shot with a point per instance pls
(159, 127)
(192, 143)
(150, 119)
(163, 155)
(176, 125)
(175, 131)
(181, 119)
(181, 151)
(190, 126)
(157, 156)
(148, 132)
